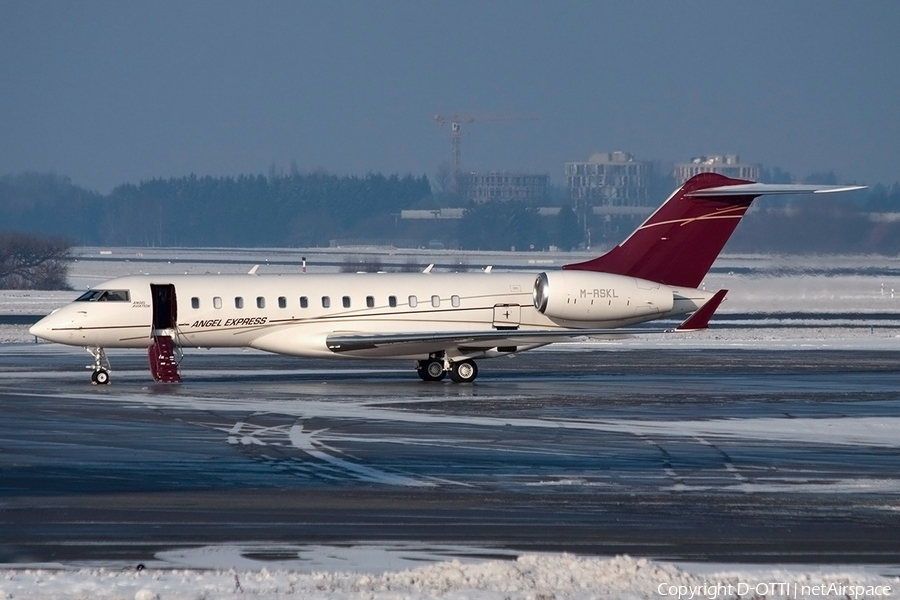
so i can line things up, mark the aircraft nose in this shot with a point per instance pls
(44, 328)
(39, 329)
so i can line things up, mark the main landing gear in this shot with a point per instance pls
(101, 367)
(436, 368)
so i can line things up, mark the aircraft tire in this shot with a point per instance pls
(431, 370)
(100, 377)
(464, 372)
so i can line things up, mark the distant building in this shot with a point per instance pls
(729, 165)
(503, 187)
(609, 179)
(434, 214)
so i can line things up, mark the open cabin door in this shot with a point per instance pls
(163, 363)
(165, 306)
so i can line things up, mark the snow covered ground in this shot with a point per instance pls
(530, 576)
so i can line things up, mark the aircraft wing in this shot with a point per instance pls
(476, 340)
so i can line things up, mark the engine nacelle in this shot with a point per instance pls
(591, 296)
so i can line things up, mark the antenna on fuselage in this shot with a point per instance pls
(253, 270)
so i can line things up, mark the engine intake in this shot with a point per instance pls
(591, 296)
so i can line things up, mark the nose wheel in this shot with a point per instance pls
(100, 377)
(101, 368)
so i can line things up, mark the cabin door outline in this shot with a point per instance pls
(507, 316)
(165, 306)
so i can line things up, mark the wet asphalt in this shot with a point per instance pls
(716, 454)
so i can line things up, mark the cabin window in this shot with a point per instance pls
(436, 301)
(454, 300)
(282, 302)
(217, 302)
(260, 302)
(346, 301)
(370, 301)
(238, 302)
(392, 301)
(413, 301)
(304, 302)
(326, 302)
(195, 302)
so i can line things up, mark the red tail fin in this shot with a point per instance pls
(680, 241)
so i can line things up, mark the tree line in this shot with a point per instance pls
(314, 209)
(248, 210)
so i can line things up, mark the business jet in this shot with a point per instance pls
(441, 321)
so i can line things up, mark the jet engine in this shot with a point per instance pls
(592, 296)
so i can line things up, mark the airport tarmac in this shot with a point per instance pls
(684, 454)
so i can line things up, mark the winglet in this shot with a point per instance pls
(700, 318)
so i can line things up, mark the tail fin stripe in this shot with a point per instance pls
(684, 222)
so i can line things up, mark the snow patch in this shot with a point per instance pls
(529, 577)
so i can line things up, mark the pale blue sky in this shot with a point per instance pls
(114, 92)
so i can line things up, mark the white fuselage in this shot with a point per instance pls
(293, 314)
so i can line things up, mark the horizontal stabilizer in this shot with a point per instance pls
(700, 318)
(769, 189)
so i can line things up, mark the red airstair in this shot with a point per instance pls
(163, 364)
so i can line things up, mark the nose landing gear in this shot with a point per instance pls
(101, 367)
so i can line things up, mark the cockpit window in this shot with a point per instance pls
(105, 296)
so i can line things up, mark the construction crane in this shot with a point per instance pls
(456, 122)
